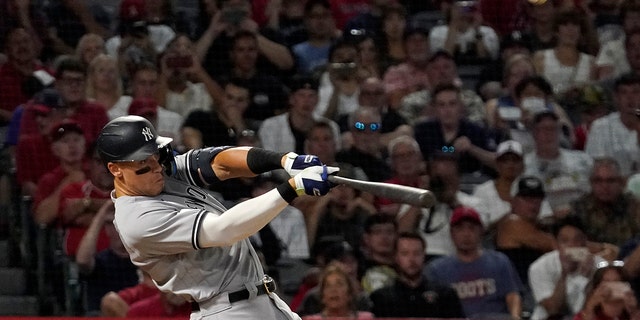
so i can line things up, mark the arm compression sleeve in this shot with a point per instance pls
(262, 160)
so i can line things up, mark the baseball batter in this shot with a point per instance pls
(175, 230)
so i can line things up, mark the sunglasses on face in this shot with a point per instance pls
(361, 126)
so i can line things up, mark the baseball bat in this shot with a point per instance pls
(398, 193)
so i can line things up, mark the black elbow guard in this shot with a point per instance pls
(200, 168)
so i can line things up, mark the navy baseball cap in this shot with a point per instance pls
(299, 82)
(47, 100)
(129, 138)
(530, 187)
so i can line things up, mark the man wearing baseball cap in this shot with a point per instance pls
(509, 166)
(68, 145)
(518, 234)
(485, 280)
(175, 229)
(288, 130)
(34, 156)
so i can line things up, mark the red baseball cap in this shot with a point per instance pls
(462, 213)
(132, 10)
(143, 107)
(62, 128)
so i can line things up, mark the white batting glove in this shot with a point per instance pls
(295, 163)
(313, 180)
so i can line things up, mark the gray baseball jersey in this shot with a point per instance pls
(160, 234)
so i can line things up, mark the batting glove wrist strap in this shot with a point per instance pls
(287, 192)
(295, 163)
(313, 180)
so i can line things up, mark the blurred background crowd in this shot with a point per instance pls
(521, 116)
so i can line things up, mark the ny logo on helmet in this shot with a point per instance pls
(146, 132)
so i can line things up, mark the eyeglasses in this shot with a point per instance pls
(606, 264)
(361, 126)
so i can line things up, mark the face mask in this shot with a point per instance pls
(533, 104)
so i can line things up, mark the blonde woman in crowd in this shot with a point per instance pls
(104, 86)
(89, 47)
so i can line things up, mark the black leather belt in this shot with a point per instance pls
(268, 285)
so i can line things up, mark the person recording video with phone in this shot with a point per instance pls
(558, 278)
(465, 36)
(216, 41)
(137, 41)
(188, 85)
(609, 294)
(339, 85)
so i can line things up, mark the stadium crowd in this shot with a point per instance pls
(522, 117)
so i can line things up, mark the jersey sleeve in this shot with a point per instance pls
(159, 229)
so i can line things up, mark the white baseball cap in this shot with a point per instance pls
(509, 146)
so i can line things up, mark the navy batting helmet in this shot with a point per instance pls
(129, 138)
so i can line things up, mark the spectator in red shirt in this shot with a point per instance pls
(34, 156)
(68, 145)
(21, 63)
(80, 201)
(117, 304)
(70, 83)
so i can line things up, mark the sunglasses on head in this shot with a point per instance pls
(361, 126)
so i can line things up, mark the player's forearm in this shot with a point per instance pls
(241, 221)
(245, 162)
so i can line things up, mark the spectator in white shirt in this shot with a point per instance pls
(558, 278)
